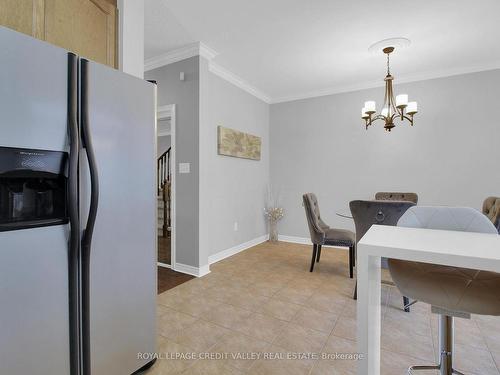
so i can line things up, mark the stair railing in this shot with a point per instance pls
(163, 167)
(163, 185)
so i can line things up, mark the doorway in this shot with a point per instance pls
(165, 136)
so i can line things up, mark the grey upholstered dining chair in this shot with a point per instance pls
(381, 212)
(451, 291)
(322, 234)
(396, 196)
(491, 208)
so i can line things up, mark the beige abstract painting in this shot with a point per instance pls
(232, 142)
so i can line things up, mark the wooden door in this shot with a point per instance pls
(86, 27)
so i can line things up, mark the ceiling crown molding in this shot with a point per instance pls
(201, 49)
(238, 81)
(424, 76)
(182, 53)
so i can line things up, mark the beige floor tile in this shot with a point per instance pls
(240, 350)
(278, 362)
(411, 323)
(197, 306)
(330, 364)
(160, 310)
(274, 280)
(496, 358)
(468, 359)
(315, 319)
(200, 335)
(345, 327)
(466, 332)
(397, 339)
(279, 309)
(172, 321)
(223, 291)
(331, 302)
(171, 298)
(246, 300)
(301, 339)
(265, 287)
(290, 294)
(167, 363)
(211, 367)
(490, 330)
(227, 315)
(397, 364)
(262, 327)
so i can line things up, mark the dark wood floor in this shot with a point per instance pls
(164, 250)
(168, 279)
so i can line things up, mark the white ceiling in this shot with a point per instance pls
(297, 48)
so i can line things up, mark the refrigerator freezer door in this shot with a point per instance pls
(33, 93)
(122, 259)
(33, 262)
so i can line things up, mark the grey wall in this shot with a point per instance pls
(231, 189)
(162, 144)
(449, 157)
(185, 95)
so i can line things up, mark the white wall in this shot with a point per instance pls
(162, 144)
(131, 37)
(231, 189)
(185, 95)
(449, 157)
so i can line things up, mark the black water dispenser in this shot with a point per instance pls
(33, 188)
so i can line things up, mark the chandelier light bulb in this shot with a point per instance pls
(401, 100)
(370, 107)
(385, 112)
(364, 115)
(412, 108)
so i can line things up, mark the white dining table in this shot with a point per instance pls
(461, 249)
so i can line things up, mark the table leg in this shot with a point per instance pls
(368, 313)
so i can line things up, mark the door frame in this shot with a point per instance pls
(166, 112)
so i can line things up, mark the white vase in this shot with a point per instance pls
(273, 231)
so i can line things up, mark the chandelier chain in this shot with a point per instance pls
(388, 70)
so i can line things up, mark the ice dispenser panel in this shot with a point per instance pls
(33, 188)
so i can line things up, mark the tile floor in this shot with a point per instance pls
(263, 301)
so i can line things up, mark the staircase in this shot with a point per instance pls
(164, 195)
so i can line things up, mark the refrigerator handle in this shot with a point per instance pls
(89, 228)
(73, 213)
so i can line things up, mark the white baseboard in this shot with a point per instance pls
(236, 249)
(294, 239)
(190, 270)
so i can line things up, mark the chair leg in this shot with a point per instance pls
(313, 257)
(354, 256)
(351, 261)
(355, 296)
(406, 302)
(319, 254)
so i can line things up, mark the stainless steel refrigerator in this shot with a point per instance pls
(77, 213)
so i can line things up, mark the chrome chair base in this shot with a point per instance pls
(445, 367)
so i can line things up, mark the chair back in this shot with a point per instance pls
(313, 217)
(396, 196)
(463, 219)
(383, 212)
(453, 290)
(491, 208)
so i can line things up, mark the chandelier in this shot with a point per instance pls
(392, 109)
